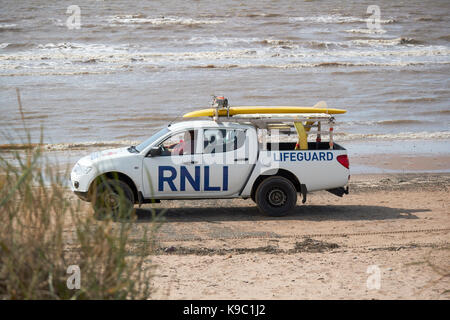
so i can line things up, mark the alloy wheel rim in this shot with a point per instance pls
(276, 197)
(111, 200)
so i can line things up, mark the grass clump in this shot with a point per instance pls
(44, 231)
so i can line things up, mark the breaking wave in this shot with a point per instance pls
(443, 135)
(356, 43)
(126, 68)
(386, 42)
(320, 64)
(259, 15)
(66, 49)
(366, 31)
(336, 18)
(297, 43)
(69, 146)
(7, 45)
(399, 122)
(54, 73)
(276, 42)
(170, 20)
(8, 27)
(413, 100)
(69, 58)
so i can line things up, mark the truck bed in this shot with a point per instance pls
(289, 146)
(317, 168)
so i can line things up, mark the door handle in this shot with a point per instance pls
(244, 159)
(190, 162)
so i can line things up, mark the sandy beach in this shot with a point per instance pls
(78, 78)
(398, 224)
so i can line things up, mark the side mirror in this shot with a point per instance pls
(155, 151)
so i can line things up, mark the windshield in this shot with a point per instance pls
(152, 139)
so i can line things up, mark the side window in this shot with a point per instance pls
(222, 140)
(179, 144)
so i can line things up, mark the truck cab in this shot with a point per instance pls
(199, 159)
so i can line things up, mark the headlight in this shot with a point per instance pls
(81, 170)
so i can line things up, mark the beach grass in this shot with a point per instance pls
(51, 249)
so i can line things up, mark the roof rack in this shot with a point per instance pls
(302, 122)
(266, 120)
(287, 121)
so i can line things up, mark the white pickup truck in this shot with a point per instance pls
(211, 159)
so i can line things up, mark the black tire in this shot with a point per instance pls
(113, 197)
(252, 196)
(276, 196)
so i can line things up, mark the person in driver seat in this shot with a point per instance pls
(185, 146)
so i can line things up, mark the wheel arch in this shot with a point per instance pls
(115, 175)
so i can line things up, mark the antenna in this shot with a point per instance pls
(178, 116)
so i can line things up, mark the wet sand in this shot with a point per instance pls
(404, 162)
(224, 249)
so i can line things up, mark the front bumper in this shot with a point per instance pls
(81, 182)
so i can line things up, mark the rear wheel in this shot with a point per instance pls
(113, 197)
(276, 196)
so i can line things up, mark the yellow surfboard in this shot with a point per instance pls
(261, 110)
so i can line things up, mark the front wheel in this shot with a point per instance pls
(276, 196)
(113, 197)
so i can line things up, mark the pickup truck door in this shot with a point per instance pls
(227, 159)
(174, 173)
